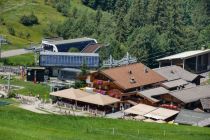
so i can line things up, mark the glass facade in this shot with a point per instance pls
(72, 61)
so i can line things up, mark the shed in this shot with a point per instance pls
(194, 118)
(35, 74)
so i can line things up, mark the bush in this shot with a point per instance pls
(2, 22)
(11, 30)
(62, 8)
(73, 50)
(28, 35)
(12, 94)
(20, 34)
(29, 20)
(79, 84)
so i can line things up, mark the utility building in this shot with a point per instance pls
(196, 61)
(65, 45)
(68, 60)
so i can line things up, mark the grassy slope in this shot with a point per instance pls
(30, 88)
(19, 124)
(12, 10)
(20, 60)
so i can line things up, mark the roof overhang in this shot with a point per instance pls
(185, 55)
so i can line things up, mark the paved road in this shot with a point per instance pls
(115, 115)
(10, 53)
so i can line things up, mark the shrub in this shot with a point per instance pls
(29, 20)
(2, 22)
(62, 8)
(20, 34)
(79, 84)
(73, 50)
(11, 30)
(12, 94)
(28, 35)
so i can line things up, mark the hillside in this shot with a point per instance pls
(18, 124)
(12, 10)
(146, 29)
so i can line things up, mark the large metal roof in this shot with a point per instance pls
(71, 41)
(68, 53)
(185, 55)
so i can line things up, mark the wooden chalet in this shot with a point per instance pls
(124, 81)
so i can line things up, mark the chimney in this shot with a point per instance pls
(203, 47)
(130, 72)
(132, 80)
(145, 69)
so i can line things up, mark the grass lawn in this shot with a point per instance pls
(20, 60)
(18, 124)
(30, 88)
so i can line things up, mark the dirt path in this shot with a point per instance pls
(14, 52)
(32, 108)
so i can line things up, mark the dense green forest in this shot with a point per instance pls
(147, 29)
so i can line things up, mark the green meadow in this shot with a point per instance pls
(18, 124)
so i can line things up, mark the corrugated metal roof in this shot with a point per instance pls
(192, 94)
(161, 114)
(140, 109)
(185, 55)
(68, 54)
(205, 103)
(71, 41)
(91, 48)
(153, 92)
(175, 83)
(175, 72)
(191, 117)
(71, 70)
(151, 112)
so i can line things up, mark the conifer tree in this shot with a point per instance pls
(137, 14)
(120, 13)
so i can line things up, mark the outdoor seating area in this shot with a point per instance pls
(91, 102)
